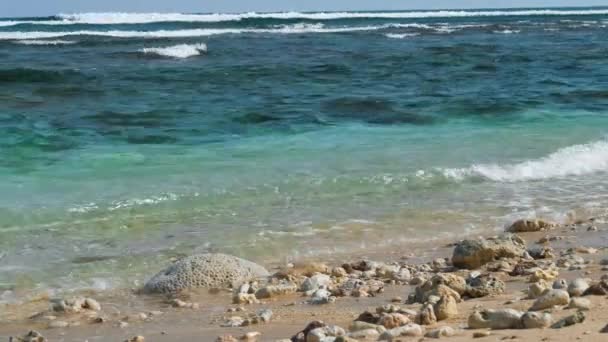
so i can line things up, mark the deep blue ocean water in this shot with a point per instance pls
(128, 139)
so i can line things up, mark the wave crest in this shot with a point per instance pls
(574, 160)
(177, 51)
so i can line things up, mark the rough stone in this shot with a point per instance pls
(550, 299)
(204, 271)
(472, 254)
(31, 336)
(272, 291)
(547, 275)
(315, 282)
(560, 284)
(441, 332)
(579, 303)
(537, 289)
(577, 287)
(393, 320)
(578, 317)
(427, 315)
(410, 330)
(320, 334)
(535, 320)
(322, 296)
(495, 319)
(365, 334)
(523, 226)
(446, 308)
(599, 289)
(485, 285)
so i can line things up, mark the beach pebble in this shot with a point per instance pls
(315, 282)
(579, 303)
(226, 338)
(495, 319)
(547, 275)
(365, 334)
(481, 334)
(322, 296)
(361, 325)
(265, 315)
(535, 320)
(427, 315)
(485, 285)
(550, 299)
(446, 308)
(251, 336)
(523, 226)
(31, 336)
(410, 330)
(393, 320)
(339, 272)
(440, 285)
(471, 254)
(598, 289)
(560, 284)
(441, 332)
(321, 334)
(578, 317)
(204, 271)
(136, 339)
(577, 287)
(272, 291)
(234, 321)
(537, 289)
(245, 298)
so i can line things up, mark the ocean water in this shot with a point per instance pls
(129, 139)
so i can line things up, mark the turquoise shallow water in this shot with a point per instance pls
(126, 140)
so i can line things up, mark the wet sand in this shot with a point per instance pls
(292, 314)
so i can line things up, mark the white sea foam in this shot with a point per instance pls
(45, 42)
(145, 18)
(281, 29)
(177, 51)
(569, 161)
(401, 35)
(507, 31)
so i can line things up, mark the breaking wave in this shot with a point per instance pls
(177, 51)
(45, 42)
(281, 29)
(401, 35)
(146, 18)
(574, 160)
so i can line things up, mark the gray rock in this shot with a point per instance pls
(560, 284)
(326, 333)
(550, 299)
(486, 285)
(579, 303)
(316, 282)
(204, 271)
(271, 291)
(472, 254)
(577, 287)
(427, 315)
(366, 334)
(537, 289)
(31, 336)
(578, 317)
(265, 315)
(441, 332)
(523, 226)
(322, 296)
(410, 330)
(536, 320)
(495, 319)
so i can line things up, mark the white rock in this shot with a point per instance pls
(410, 330)
(577, 287)
(579, 303)
(550, 299)
(536, 320)
(495, 319)
(315, 282)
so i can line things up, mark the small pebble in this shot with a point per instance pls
(479, 334)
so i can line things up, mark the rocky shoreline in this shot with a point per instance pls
(538, 280)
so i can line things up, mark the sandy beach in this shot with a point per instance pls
(127, 314)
